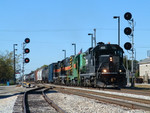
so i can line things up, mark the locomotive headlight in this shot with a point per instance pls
(110, 59)
(104, 70)
(120, 70)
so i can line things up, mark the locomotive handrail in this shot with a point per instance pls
(99, 68)
(124, 67)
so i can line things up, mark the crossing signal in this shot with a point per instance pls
(26, 60)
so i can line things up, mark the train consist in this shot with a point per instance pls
(98, 66)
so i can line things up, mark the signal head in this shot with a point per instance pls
(127, 31)
(27, 40)
(128, 16)
(127, 45)
(27, 50)
(26, 60)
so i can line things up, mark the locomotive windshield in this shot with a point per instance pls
(102, 52)
(111, 52)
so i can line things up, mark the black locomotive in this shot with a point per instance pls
(104, 66)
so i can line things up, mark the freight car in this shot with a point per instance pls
(45, 74)
(30, 77)
(38, 75)
(51, 72)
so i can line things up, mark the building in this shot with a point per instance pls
(144, 68)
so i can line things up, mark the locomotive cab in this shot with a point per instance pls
(109, 64)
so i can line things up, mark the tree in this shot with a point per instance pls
(6, 66)
(135, 65)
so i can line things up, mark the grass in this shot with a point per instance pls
(5, 84)
(2, 84)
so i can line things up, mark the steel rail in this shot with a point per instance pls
(136, 98)
(144, 92)
(25, 103)
(60, 110)
(127, 103)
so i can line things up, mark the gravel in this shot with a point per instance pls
(7, 104)
(70, 103)
(115, 93)
(78, 104)
(8, 96)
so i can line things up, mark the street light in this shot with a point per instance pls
(64, 53)
(14, 62)
(74, 48)
(118, 17)
(91, 38)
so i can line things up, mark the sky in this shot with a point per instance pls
(53, 25)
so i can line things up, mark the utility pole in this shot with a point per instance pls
(23, 61)
(74, 48)
(118, 17)
(64, 53)
(91, 39)
(14, 62)
(95, 37)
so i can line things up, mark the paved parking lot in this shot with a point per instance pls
(11, 90)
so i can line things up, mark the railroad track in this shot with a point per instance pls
(132, 98)
(137, 91)
(36, 101)
(124, 100)
(60, 110)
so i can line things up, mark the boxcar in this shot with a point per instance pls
(39, 75)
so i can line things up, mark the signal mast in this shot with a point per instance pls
(25, 51)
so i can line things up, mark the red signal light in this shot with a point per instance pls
(27, 50)
(27, 40)
(26, 60)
